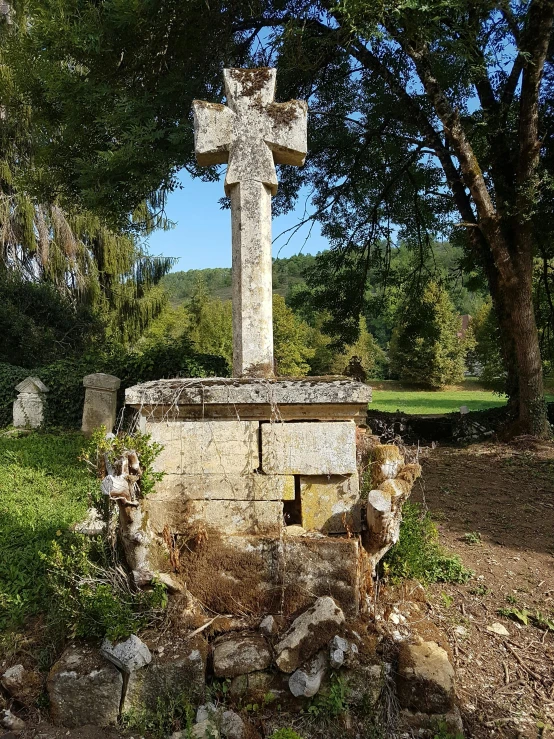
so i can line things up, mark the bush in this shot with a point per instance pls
(426, 347)
(64, 378)
(418, 554)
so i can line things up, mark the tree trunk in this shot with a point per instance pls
(513, 301)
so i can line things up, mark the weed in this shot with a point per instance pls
(171, 714)
(512, 600)
(442, 732)
(90, 595)
(418, 554)
(472, 537)
(100, 448)
(285, 734)
(447, 600)
(331, 703)
(480, 590)
(525, 617)
(267, 700)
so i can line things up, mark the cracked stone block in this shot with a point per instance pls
(247, 573)
(239, 654)
(319, 448)
(84, 688)
(206, 447)
(308, 633)
(251, 486)
(235, 516)
(331, 504)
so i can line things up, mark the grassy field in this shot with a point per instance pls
(392, 396)
(43, 489)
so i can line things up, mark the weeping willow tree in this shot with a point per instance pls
(90, 264)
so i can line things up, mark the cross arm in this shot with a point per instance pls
(287, 135)
(213, 127)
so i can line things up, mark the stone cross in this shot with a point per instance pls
(251, 133)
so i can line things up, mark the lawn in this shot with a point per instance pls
(392, 396)
(43, 489)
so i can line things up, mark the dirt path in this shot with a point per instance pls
(494, 506)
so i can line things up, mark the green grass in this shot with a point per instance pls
(410, 400)
(43, 489)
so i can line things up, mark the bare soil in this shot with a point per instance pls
(494, 506)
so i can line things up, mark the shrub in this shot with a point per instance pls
(171, 714)
(425, 347)
(285, 734)
(64, 378)
(418, 554)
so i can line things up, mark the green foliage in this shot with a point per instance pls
(99, 448)
(211, 324)
(290, 337)
(163, 357)
(45, 568)
(171, 714)
(89, 597)
(285, 734)
(418, 554)
(372, 358)
(487, 348)
(442, 732)
(525, 616)
(40, 324)
(425, 346)
(288, 273)
(331, 703)
(43, 490)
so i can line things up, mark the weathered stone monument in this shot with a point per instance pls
(259, 515)
(28, 407)
(262, 470)
(252, 134)
(100, 402)
(254, 458)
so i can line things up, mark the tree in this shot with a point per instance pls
(426, 347)
(96, 270)
(426, 118)
(371, 357)
(290, 339)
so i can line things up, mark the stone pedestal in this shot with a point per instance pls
(100, 402)
(255, 458)
(28, 407)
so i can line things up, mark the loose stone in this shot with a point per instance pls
(306, 681)
(308, 633)
(239, 654)
(128, 655)
(425, 680)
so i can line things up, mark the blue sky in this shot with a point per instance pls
(202, 235)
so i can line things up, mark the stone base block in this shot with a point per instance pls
(227, 487)
(180, 669)
(182, 516)
(206, 447)
(84, 688)
(257, 575)
(331, 504)
(317, 448)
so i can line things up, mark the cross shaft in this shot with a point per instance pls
(252, 134)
